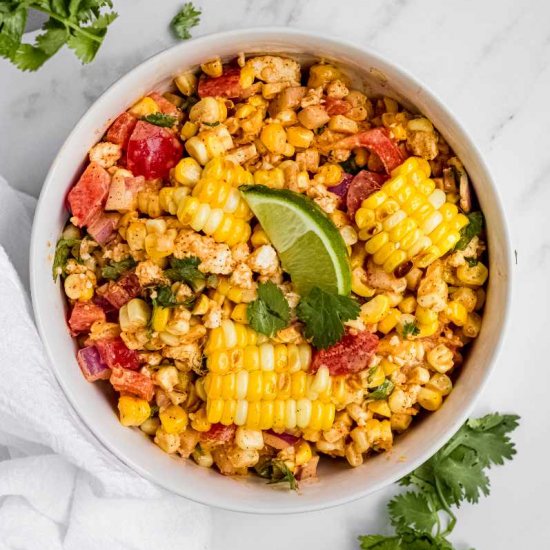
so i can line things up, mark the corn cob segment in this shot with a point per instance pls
(221, 194)
(409, 219)
(223, 227)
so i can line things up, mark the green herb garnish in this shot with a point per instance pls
(468, 232)
(80, 25)
(186, 271)
(382, 391)
(187, 18)
(114, 270)
(62, 251)
(165, 297)
(472, 262)
(277, 472)
(410, 329)
(270, 311)
(350, 166)
(324, 314)
(212, 124)
(423, 518)
(160, 119)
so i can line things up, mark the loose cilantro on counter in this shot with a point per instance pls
(160, 119)
(423, 518)
(324, 315)
(187, 18)
(79, 25)
(270, 311)
(186, 271)
(114, 270)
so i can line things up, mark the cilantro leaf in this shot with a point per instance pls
(472, 262)
(80, 24)
(350, 166)
(324, 314)
(114, 270)
(382, 391)
(473, 229)
(187, 18)
(186, 271)
(164, 296)
(412, 510)
(270, 311)
(277, 472)
(160, 119)
(62, 251)
(410, 329)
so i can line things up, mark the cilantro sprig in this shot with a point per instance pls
(160, 119)
(277, 472)
(114, 270)
(187, 18)
(324, 315)
(468, 232)
(79, 24)
(423, 517)
(270, 311)
(186, 271)
(410, 329)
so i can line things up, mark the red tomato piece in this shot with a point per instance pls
(114, 353)
(227, 85)
(117, 293)
(364, 184)
(337, 106)
(165, 106)
(377, 140)
(87, 197)
(83, 316)
(351, 354)
(127, 381)
(152, 151)
(219, 433)
(121, 129)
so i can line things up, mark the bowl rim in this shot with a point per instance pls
(329, 41)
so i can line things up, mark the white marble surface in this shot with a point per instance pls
(490, 62)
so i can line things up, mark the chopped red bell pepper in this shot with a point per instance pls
(364, 184)
(136, 383)
(165, 106)
(227, 85)
(379, 141)
(121, 129)
(152, 151)
(117, 293)
(351, 354)
(83, 316)
(335, 106)
(219, 433)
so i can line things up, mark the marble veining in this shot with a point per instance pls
(490, 62)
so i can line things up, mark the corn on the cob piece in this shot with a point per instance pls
(223, 227)
(221, 194)
(221, 169)
(409, 219)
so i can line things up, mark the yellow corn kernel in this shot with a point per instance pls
(214, 410)
(388, 367)
(472, 326)
(160, 318)
(299, 137)
(173, 419)
(188, 130)
(400, 422)
(380, 407)
(273, 136)
(208, 110)
(376, 377)
(186, 83)
(427, 329)
(187, 172)
(213, 68)
(440, 383)
(239, 313)
(466, 296)
(473, 276)
(358, 283)
(407, 305)
(329, 174)
(429, 399)
(133, 410)
(303, 453)
(322, 74)
(425, 316)
(247, 76)
(390, 320)
(133, 315)
(80, 286)
(199, 421)
(440, 358)
(456, 313)
(201, 305)
(375, 310)
(144, 107)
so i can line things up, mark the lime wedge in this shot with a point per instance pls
(310, 247)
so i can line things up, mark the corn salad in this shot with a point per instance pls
(162, 256)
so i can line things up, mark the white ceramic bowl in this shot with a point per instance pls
(337, 483)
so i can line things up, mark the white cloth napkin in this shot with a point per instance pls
(59, 489)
